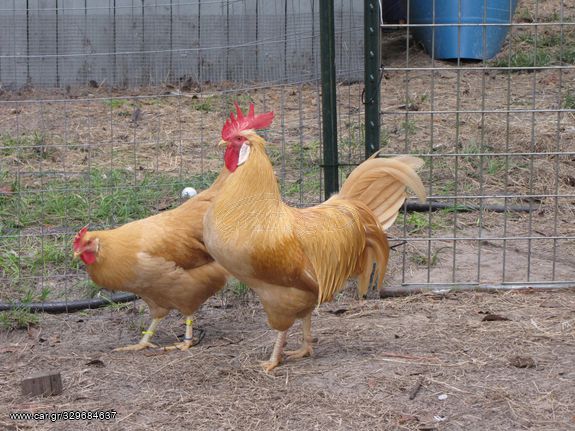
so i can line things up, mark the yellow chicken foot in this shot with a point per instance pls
(276, 357)
(145, 341)
(306, 349)
(188, 338)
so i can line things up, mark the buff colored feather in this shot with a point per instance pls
(295, 259)
(380, 183)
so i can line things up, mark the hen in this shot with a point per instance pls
(161, 258)
(295, 259)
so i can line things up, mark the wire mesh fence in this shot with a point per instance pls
(109, 108)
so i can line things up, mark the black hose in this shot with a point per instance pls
(69, 306)
(435, 206)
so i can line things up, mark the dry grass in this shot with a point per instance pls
(368, 359)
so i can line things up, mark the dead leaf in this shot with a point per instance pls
(34, 333)
(6, 190)
(95, 363)
(522, 361)
(9, 349)
(493, 318)
(339, 311)
(53, 340)
(403, 419)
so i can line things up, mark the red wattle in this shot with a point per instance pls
(231, 157)
(88, 258)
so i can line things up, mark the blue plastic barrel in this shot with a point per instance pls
(477, 42)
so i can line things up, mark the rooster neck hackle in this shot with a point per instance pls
(254, 178)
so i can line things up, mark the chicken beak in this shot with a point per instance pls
(76, 255)
(222, 143)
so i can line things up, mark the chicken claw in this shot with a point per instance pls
(145, 341)
(276, 357)
(188, 337)
(135, 347)
(305, 350)
(270, 365)
(184, 345)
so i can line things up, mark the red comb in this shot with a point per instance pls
(235, 125)
(79, 236)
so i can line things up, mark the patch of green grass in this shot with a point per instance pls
(409, 127)
(422, 259)
(115, 306)
(115, 103)
(384, 138)
(205, 104)
(569, 100)
(91, 288)
(237, 287)
(524, 59)
(18, 318)
(417, 222)
(9, 263)
(523, 15)
(25, 146)
(103, 197)
(545, 40)
(352, 139)
(495, 166)
(32, 255)
(548, 47)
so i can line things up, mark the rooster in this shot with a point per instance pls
(161, 258)
(295, 259)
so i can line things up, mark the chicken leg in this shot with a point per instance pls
(188, 338)
(145, 341)
(276, 357)
(306, 348)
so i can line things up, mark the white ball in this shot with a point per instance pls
(189, 192)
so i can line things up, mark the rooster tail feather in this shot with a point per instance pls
(380, 183)
(376, 251)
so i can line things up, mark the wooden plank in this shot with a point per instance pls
(212, 44)
(98, 43)
(349, 39)
(241, 39)
(13, 46)
(42, 384)
(42, 42)
(299, 45)
(271, 34)
(184, 39)
(70, 38)
(158, 41)
(130, 68)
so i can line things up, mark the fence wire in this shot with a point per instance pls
(109, 109)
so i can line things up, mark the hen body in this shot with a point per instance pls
(162, 259)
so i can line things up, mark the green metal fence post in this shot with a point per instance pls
(372, 63)
(328, 97)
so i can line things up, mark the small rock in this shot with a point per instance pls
(442, 397)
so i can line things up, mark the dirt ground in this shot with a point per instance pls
(422, 362)
(475, 370)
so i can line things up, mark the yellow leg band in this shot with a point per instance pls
(147, 332)
(189, 322)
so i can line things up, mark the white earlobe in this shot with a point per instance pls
(244, 154)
